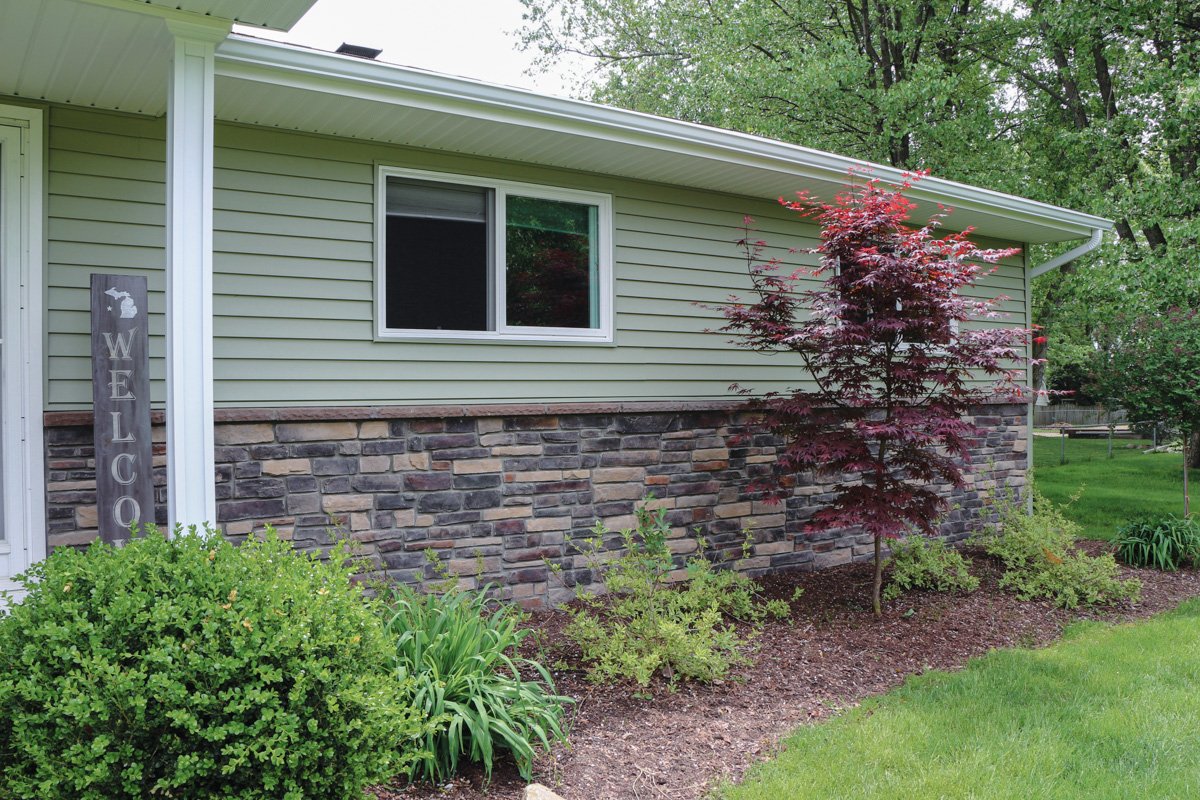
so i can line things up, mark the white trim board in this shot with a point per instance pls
(21, 214)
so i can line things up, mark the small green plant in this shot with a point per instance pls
(456, 653)
(1040, 558)
(1165, 543)
(645, 626)
(920, 562)
(192, 668)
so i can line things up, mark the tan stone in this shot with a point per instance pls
(244, 434)
(535, 791)
(347, 502)
(1022, 444)
(490, 425)
(730, 510)
(536, 476)
(317, 431)
(287, 466)
(241, 527)
(774, 548)
(473, 566)
(70, 486)
(87, 517)
(405, 517)
(548, 524)
(508, 512)
(517, 450)
(72, 538)
(712, 454)
(577, 474)
(617, 491)
(659, 502)
(374, 464)
(493, 439)
(618, 475)
(375, 429)
(626, 522)
(360, 521)
(476, 466)
(410, 461)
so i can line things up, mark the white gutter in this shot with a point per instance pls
(1066, 258)
(264, 61)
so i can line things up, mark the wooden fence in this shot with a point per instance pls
(1071, 414)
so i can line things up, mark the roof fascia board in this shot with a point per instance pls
(297, 67)
(203, 21)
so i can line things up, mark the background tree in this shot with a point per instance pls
(1155, 373)
(893, 374)
(1091, 104)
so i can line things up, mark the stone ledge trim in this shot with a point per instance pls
(60, 419)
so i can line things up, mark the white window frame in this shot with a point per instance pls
(500, 189)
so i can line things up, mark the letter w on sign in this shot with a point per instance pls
(121, 399)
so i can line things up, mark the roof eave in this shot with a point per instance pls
(296, 65)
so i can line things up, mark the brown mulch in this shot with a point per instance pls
(831, 654)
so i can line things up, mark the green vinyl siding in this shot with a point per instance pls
(294, 276)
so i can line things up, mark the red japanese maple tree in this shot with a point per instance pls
(891, 372)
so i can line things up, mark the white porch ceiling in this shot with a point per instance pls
(62, 51)
(278, 15)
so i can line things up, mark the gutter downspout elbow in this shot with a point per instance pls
(1066, 258)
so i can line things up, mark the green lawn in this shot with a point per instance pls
(1112, 712)
(1129, 484)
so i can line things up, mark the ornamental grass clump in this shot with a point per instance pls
(455, 651)
(920, 562)
(1041, 560)
(192, 668)
(1165, 543)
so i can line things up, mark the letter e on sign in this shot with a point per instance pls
(121, 401)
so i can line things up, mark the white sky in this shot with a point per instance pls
(469, 38)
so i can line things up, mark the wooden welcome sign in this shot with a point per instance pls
(121, 399)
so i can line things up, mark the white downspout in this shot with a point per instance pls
(1066, 258)
(1041, 269)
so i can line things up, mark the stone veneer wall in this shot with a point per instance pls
(496, 493)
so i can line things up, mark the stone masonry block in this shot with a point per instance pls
(316, 431)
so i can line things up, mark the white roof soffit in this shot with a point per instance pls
(289, 87)
(277, 15)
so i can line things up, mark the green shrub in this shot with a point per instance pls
(644, 626)
(920, 562)
(1165, 542)
(1040, 559)
(192, 668)
(457, 655)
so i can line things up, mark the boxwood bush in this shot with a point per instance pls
(192, 668)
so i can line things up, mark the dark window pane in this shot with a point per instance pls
(437, 256)
(551, 274)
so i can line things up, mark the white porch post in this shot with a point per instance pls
(190, 468)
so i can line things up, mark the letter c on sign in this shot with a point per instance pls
(126, 511)
(116, 471)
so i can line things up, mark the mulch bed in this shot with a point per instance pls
(829, 656)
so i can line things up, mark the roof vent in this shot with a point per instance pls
(358, 51)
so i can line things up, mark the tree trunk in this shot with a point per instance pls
(1194, 451)
(875, 593)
